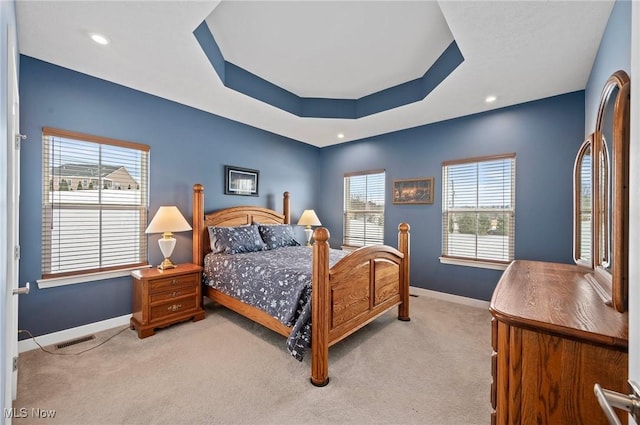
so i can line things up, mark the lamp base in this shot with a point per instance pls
(167, 243)
(166, 264)
(308, 231)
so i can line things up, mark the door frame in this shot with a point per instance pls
(9, 199)
(634, 200)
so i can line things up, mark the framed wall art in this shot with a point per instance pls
(413, 191)
(240, 181)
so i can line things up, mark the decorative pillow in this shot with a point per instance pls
(277, 235)
(235, 240)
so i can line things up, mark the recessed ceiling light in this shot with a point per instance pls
(100, 39)
(340, 135)
(490, 99)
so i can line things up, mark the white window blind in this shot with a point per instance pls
(478, 208)
(364, 208)
(95, 202)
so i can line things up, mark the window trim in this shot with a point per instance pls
(49, 131)
(48, 280)
(54, 282)
(365, 173)
(477, 262)
(468, 262)
(484, 158)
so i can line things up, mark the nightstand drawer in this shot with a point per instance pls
(161, 285)
(176, 293)
(176, 306)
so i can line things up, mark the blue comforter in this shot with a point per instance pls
(277, 281)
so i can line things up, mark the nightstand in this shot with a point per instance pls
(164, 297)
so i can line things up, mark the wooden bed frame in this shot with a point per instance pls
(360, 287)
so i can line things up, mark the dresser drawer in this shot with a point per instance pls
(161, 285)
(177, 306)
(494, 334)
(494, 375)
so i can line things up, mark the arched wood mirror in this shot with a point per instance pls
(601, 199)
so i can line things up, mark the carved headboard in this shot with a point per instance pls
(234, 216)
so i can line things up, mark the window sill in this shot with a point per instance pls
(474, 263)
(84, 278)
(349, 247)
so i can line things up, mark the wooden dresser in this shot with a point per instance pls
(553, 338)
(165, 297)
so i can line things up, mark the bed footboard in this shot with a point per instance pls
(362, 286)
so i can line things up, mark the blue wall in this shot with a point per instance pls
(187, 146)
(545, 135)
(614, 54)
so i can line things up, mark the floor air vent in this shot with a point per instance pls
(75, 341)
(413, 295)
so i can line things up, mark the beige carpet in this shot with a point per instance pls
(227, 370)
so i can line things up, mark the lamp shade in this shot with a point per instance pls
(309, 218)
(168, 219)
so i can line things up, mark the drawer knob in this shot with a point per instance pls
(174, 282)
(174, 307)
(175, 294)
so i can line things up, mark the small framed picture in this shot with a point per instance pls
(240, 181)
(413, 191)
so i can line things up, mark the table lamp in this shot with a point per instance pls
(308, 219)
(166, 221)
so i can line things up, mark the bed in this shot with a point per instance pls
(357, 288)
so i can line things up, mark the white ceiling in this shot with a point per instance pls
(518, 51)
(336, 49)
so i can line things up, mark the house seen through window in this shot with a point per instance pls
(478, 208)
(94, 206)
(364, 208)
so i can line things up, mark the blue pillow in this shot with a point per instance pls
(277, 235)
(235, 240)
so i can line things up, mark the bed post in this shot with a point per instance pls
(320, 299)
(198, 223)
(404, 247)
(285, 208)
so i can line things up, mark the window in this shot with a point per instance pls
(94, 206)
(478, 209)
(364, 208)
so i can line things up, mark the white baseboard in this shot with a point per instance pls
(73, 333)
(449, 297)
